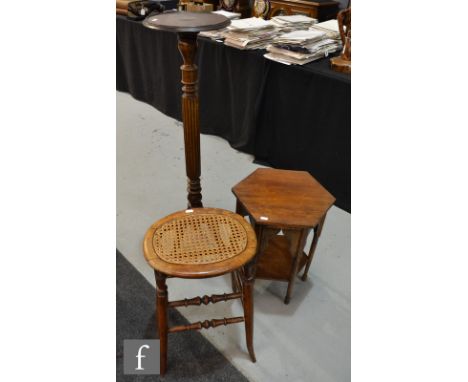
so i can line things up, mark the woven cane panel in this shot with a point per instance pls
(199, 239)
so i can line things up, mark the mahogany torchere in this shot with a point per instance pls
(198, 242)
(187, 25)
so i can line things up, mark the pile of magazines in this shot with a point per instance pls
(294, 39)
(218, 34)
(251, 33)
(293, 22)
(330, 28)
(229, 15)
(301, 47)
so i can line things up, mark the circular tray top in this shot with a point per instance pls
(200, 242)
(186, 22)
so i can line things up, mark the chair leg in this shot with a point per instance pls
(247, 291)
(157, 321)
(156, 309)
(236, 280)
(161, 311)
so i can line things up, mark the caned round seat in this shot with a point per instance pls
(199, 243)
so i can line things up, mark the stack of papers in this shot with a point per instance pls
(330, 28)
(251, 33)
(300, 37)
(229, 15)
(303, 42)
(293, 22)
(301, 47)
(217, 34)
(250, 24)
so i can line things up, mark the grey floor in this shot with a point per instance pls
(307, 340)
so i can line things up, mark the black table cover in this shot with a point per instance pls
(291, 117)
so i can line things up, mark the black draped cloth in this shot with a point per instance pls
(290, 117)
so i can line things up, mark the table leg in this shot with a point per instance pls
(161, 291)
(296, 243)
(190, 117)
(240, 209)
(317, 232)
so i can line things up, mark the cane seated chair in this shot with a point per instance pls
(201, 243)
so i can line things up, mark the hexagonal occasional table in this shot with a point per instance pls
(283, 206)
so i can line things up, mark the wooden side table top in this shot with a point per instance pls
(187, 22)
(283, 198)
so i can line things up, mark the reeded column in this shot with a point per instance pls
(191, 117)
